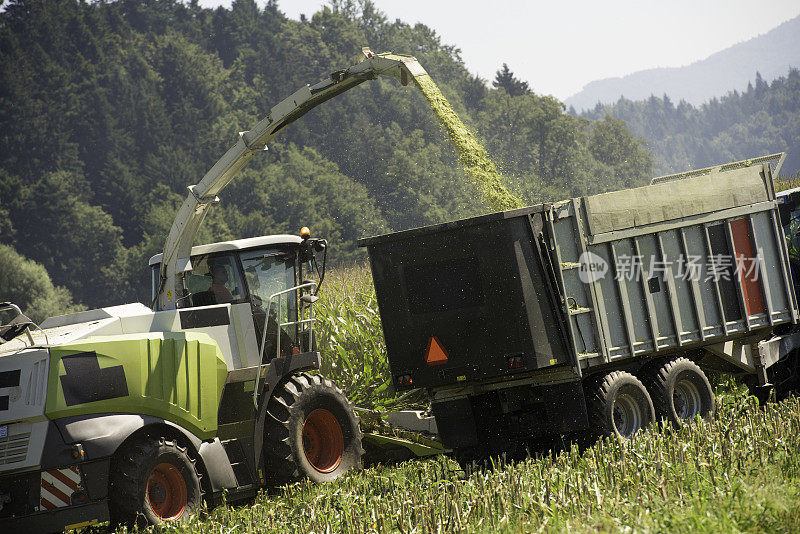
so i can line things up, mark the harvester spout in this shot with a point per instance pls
(175, 261)
(398, 66)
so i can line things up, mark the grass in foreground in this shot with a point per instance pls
(738, 473)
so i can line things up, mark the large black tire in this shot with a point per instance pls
(154, 480)
(311, 432)
(618, 405)
(680, 391)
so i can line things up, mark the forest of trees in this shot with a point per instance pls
(110, 109)
(764, 119)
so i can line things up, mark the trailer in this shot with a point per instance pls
(591, 315)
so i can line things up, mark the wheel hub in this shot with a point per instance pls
(157, 493)
(626, 415)
(686, 399)
(323, 442)
(166, 491)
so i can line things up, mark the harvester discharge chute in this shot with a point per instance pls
(178, 245)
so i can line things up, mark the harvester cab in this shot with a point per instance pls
(789, 210)
(268, 278)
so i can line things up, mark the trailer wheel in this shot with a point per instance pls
(154, 481)
(680, 391)
(618, 405)
(311, 431)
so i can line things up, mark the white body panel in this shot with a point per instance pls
(237, 340)
(25, 422)
(21, 449)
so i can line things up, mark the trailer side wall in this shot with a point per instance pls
(650, 270)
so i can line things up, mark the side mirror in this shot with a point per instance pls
(310, 246)
(309, 299)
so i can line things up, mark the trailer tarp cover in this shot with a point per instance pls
(619, 210)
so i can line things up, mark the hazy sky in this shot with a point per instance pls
(559, 46)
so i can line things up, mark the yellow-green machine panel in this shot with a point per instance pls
(177, 376)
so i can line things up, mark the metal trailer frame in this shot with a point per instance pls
(533, 259)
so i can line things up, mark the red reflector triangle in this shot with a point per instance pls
(435, 354)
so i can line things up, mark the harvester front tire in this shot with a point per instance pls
(154, 481)
(680, 391)
(311, 432)
(618, 405)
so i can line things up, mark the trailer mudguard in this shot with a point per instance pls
(488, 419)
(456, 423)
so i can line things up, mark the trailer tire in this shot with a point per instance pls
(311, 432)
(154, 481)
(680, 390)
(618, 404)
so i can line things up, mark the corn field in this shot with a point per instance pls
(787, 182)
(736, 473)
(350, 338)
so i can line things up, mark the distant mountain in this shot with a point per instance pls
(771, 54)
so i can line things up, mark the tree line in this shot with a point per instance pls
(764, 119)
(110, 109)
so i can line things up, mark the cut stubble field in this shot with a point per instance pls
(737, 473)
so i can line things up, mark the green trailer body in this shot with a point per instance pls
(690, 262)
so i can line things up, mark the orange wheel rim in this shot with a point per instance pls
(323, 442)
(166, 492)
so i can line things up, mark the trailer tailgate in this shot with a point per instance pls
(467, 300)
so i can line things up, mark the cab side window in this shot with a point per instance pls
(214, 279)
